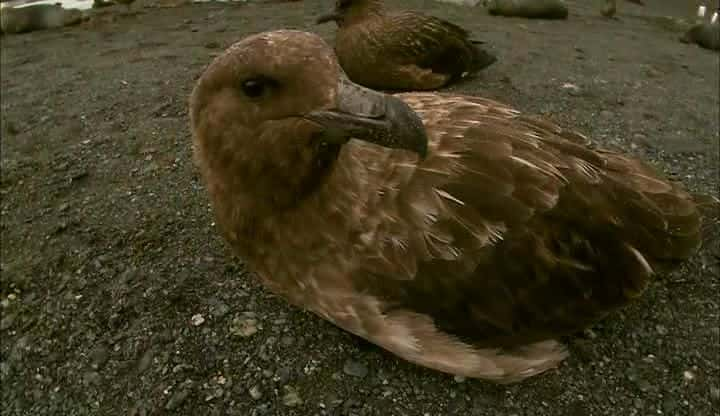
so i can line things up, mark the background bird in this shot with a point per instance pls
(610, 7)
(402, 50)
(127, 3)
(454, 231)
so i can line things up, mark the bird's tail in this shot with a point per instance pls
(481, 58)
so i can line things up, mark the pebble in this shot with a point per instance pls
(219, 310)
(177, 399)
(355, 369)
(590, 333)
(7, 321)
(98, 357)
(639, 403)
(145, 361)
(255, 392)
(661, 330)
(291, 397)
(91, 377)
(197, 319)
(688, 375)
(243, 327)
(715, 393)
(283, 375)
(572, 89)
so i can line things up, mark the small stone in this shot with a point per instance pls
(644, 385)
(145, 361)
(255, 392)
(291, 398)
(91, 377)
(572, 89)
(661, 330)
(283, 375)
(219, 310)
(218, 392)
(639, 403)
(98, 357)
(243, 327)
(715, 393)
(688, 375)
(181, 367)
(459, 379)
(177, 399)
(197, 319)
(670, 405)
(355, 369)
(7, 321)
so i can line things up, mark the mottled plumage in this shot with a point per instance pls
(470, 254)
(402, 50)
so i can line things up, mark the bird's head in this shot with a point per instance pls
(348, 11)
(270, 116)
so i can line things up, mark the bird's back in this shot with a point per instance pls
(510, 234)
(520, 232)
(408, 50)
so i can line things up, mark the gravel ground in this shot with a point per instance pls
(119, 298)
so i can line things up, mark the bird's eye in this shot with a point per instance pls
(254, 88)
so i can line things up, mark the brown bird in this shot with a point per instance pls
(610, 7)
(402, 50)
(127, 3)
(454, 231)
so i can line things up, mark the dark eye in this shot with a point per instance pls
(254, 88)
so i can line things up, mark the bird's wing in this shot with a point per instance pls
(425, 41)
(514, 231)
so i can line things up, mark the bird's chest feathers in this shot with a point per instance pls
(354, 222)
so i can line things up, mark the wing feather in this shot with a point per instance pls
(534, 234)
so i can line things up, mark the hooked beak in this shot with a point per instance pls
(327, 18)
(363, 114)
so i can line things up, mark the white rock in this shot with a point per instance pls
(197, 319)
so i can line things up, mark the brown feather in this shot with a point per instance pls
(509, 234)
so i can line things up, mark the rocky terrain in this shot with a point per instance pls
(119, 298)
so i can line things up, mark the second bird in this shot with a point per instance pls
(402, 50)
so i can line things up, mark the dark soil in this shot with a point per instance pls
(119, 297)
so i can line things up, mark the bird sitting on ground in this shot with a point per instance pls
(610, 7)
(454, 231)
(127, 3)
(402, 50)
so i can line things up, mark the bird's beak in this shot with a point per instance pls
(327, 18)
(364, 114)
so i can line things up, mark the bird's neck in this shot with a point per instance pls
(330, 213)
(362, 11)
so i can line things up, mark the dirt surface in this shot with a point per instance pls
(119, 298)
